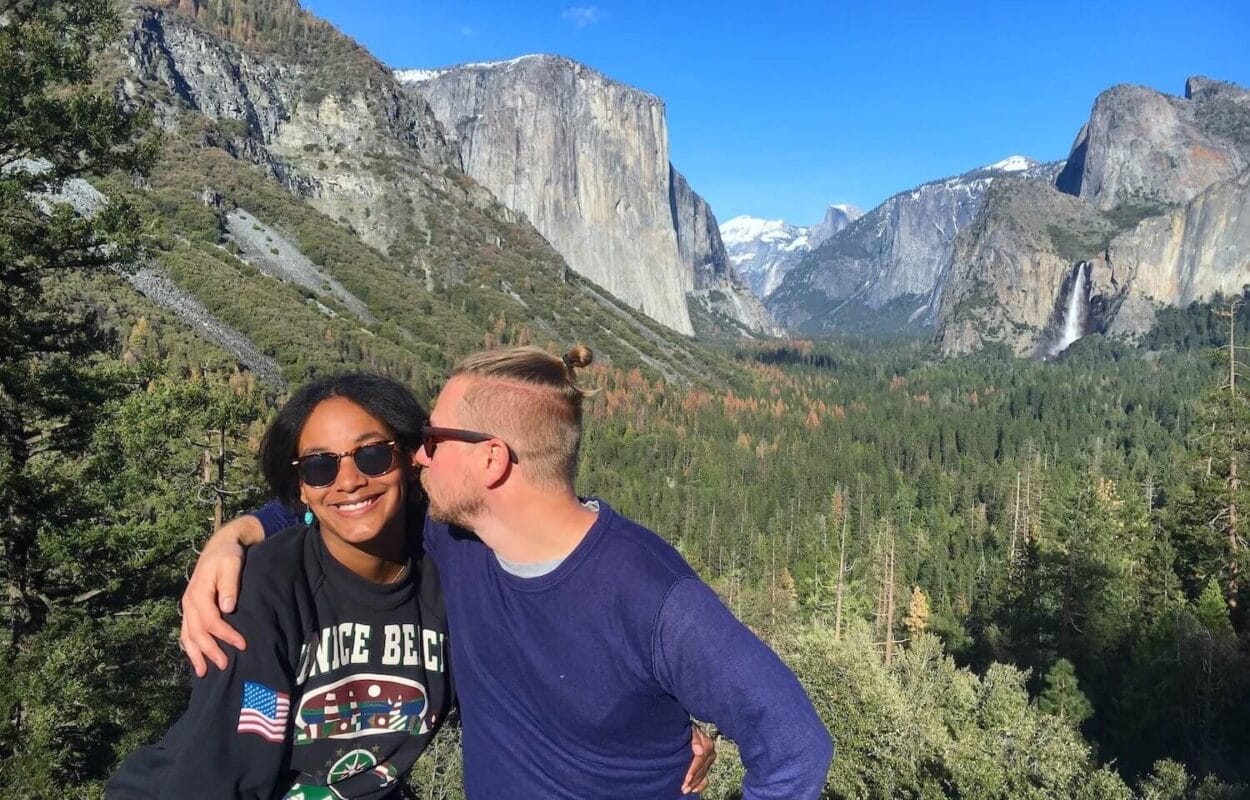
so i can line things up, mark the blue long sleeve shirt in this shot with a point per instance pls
(581, 683)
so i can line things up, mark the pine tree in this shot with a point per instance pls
(1062, 696)
(54, 126)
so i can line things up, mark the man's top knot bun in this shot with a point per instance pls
(580, 356)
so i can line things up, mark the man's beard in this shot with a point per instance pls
(459, 512)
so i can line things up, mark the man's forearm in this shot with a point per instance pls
(245, 531)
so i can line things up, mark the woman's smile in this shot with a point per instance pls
(357, 507)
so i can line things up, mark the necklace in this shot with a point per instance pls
(398, 576)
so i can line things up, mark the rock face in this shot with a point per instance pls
(836, 218)
(713, 283)
(764, 250)
(585, 159)
(401, 256)
(1192, 253)
(896, 255)
(1010, 269)
(1145, 148)
(366, 154)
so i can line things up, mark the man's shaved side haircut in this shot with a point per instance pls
(530, 399)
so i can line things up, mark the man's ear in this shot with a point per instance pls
(498, 463)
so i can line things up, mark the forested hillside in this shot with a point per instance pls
(998, 578)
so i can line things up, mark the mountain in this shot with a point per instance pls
(1154, 211)
(308, 214)
(763, 251)
(585, 159)
(885, 271)
(836, 218)
(1145, 148)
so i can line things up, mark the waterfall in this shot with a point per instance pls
(1075, 312)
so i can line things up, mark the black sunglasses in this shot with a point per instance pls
(320, 469)
(431, 436)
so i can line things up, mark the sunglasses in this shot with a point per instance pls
(431, 436)
(321, 469)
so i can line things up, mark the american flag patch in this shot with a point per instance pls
(264, 712)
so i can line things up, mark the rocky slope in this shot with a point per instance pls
(764, 250)
(1146, 148)
(309, 203)
(353, 144)
(895, 257)
(585, 159)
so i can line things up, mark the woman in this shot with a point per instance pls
(344, 680)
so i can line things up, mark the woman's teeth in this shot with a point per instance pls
(357, 505)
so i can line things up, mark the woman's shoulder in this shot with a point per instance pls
(275, 565)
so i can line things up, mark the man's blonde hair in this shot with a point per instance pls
(530, 399)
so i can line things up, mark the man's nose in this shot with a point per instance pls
(423, 458)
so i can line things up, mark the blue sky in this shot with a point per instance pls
(779, 111)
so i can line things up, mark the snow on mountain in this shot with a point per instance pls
(764, 250)
(417, 75)
(1013, 164)
(422, 75)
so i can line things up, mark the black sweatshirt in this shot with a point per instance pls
(341, 687)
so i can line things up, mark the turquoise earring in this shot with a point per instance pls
(308, 517)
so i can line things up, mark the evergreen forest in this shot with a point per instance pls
(996, 577)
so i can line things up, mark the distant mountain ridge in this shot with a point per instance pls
(763, 250)
(895, 257)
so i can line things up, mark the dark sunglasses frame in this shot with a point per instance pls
(298, 463)
(430, 434)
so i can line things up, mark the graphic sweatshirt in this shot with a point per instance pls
(341, 687)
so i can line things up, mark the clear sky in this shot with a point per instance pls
(781, 110)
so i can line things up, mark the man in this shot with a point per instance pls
(581, 642)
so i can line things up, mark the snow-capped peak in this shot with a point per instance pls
(742, 229)
(1012, 164)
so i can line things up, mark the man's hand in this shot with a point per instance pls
(704, 755)
(212, 591)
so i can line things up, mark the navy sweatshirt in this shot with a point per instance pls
(581, 683)
(341, 687)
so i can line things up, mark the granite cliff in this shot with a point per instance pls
(713, 283)
(1191, 253)
(1146, 148)
(585, 159)
(1011, 267)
